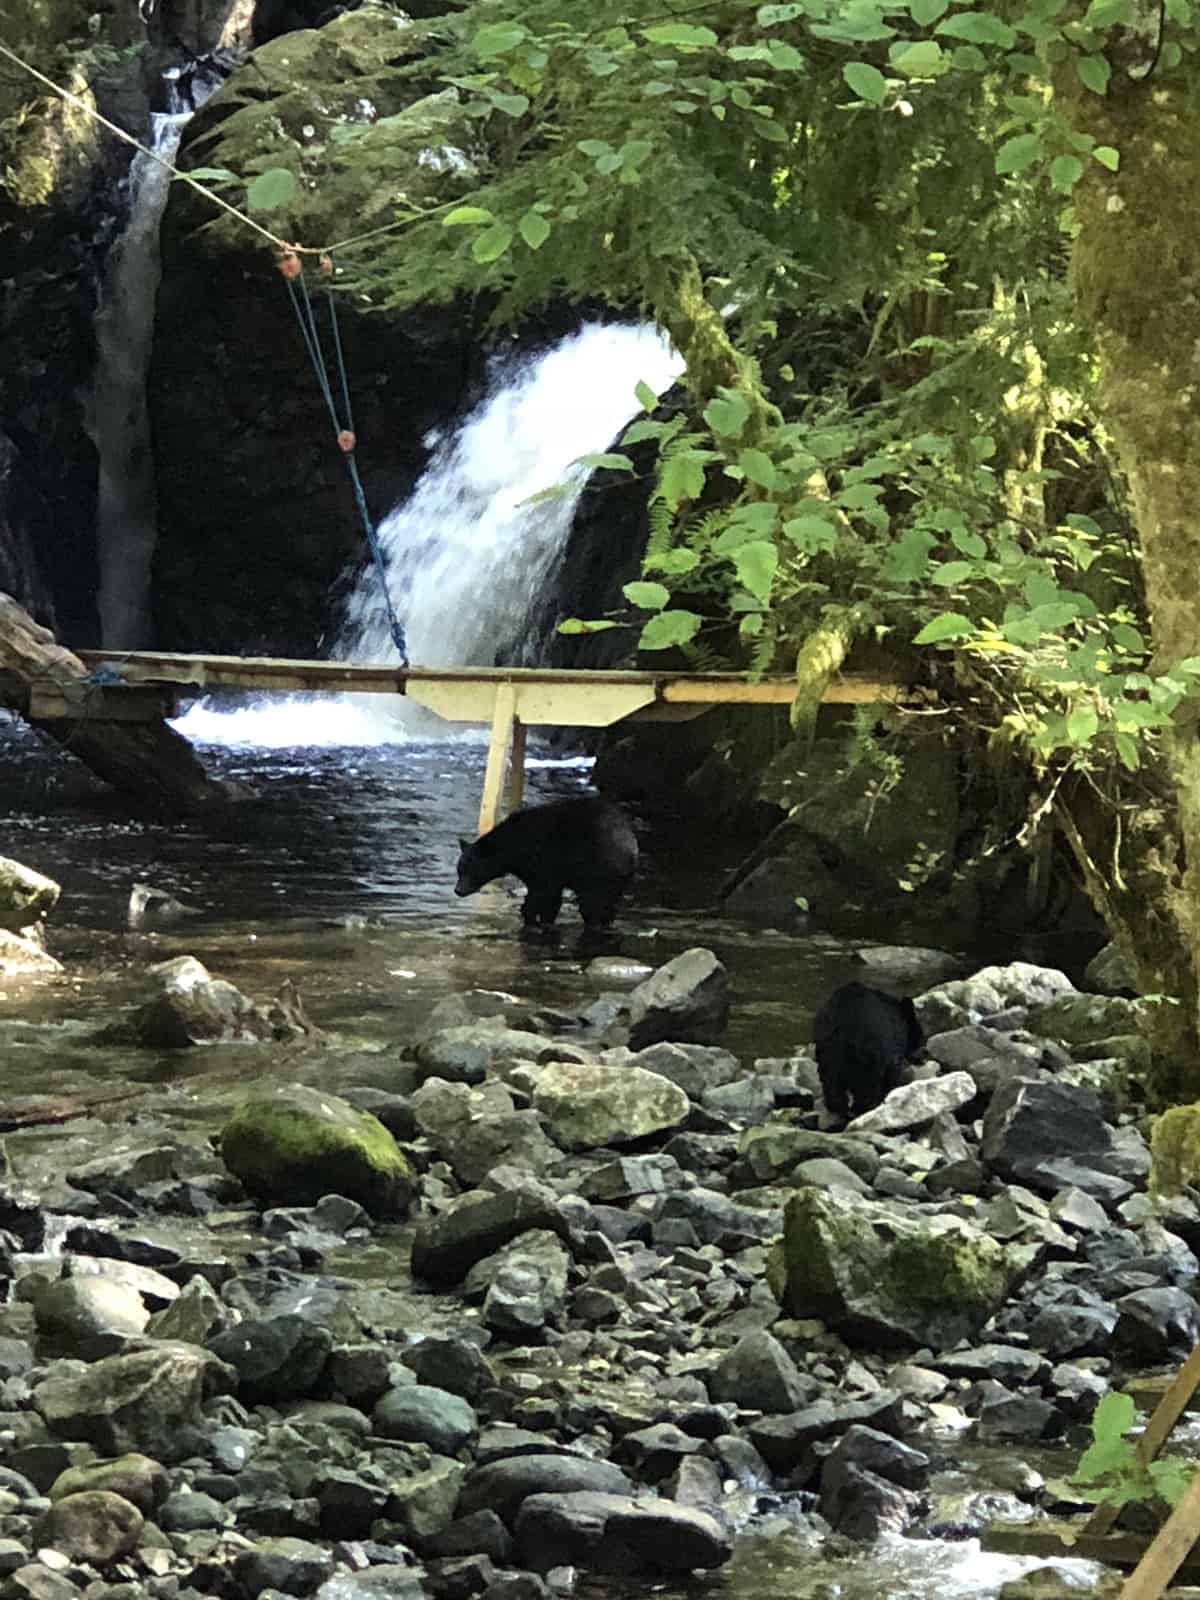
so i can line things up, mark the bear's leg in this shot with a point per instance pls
(542, 905)
(597, 906)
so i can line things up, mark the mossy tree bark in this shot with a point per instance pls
(1136, 275)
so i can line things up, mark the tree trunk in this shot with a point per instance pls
(1136, 275)
(143, 758)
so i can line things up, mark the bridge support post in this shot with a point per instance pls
(504, 732)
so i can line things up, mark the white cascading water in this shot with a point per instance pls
(127, 509)
(471, 550)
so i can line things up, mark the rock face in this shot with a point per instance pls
(879, 1275)
(295, 1144)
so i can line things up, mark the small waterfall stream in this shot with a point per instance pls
(127, 511)
(470, 551)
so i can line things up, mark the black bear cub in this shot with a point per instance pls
(863, 1038)
(588, 846)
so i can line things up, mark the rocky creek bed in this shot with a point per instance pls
(547, 1297)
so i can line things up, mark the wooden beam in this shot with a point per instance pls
(516, 768)
(1172, 1546)
(1118, 1547)
(503, 718)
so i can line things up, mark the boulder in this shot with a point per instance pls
(445, 1247)
(589, 1106)
(687, 1000)
(139, 1400)
(614, 1533)
(95, 1526)
(26, 896)
(291, 1144)
(880, 1275)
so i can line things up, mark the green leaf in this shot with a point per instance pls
(751, 625)
(497, 39)
(648, 596)
(923, 12)
(683, 35)
(908, 559)
(594, 147)
(1128, 638)
(727, 414)
(758, 517)
(1114, 1415)
(756, 565)
(1107, 156)
(535, 230)
(969, 543)
(578, 625)
(949, 625)
(1082, 724)
(923, 59)
(512, 105)
(1094, 72)
(1065, 173)
(644, 429)
(1128, 751)
(676, 561)
(978, 27)
(645, 395)
(492, 243)
(462, 215)
(1015, 154)
(635, 151)
(208, 174)
(948, 573)
(605, 458)
(811, 533)
(866, 81)
(668, 628)
(271, 190)
(682, 478)
(758, 467)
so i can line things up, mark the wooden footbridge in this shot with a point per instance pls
(110, 709)
(511, 699)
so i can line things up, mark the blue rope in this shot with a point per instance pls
(303, 307)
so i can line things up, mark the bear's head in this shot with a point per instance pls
(475, 867)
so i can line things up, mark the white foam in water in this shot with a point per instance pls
(470, 551)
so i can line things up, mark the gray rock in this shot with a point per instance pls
(913, 1105)
(1157, 1324)
(775, 1151)
(194, 1008)
(187, 1511)
(605, 1532)
(389, 1581)
(823, 1172)
(467, 1055)
(1031, 1124)
(139, 1400)
(869, 1484)
(422, 1504)
(687, 999)
(1109, 973)
(84, 1315)
(26, 896)
(424, 1415)
(293, 1566)
(526, 1284)
(503, 1485)
(630, 1176)
(586, 1107)
(785, 1442)
(451, 1363)
(95, 1526)
(759, 1375)
(654, 1453)
(478, 1223)
(277, 1358)
(133, 1477)
(196, 1313)
(694, 1068)
(908, 963)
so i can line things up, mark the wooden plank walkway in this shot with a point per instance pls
(511, 699)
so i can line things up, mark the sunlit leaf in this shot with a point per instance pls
(492, 243)
(647, 596)
(949, 625)
(866, 81)
(756, 565)
(271, 190)
(535, 230)
(668, 628)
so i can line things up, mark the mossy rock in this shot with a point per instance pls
(1175, 1150)
(292, 1144)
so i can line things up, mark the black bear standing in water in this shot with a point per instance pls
(588, 846)
(863, 1037)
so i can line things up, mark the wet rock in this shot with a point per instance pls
(870, 1484)
(196, 1313)
(155, 908)
(477, 1224)
(630, 1176)
(26, 896)
(526, 1284)
(192, 1008)
(775, 1152)
(589, 1106)
(1031, 1125)
(389, 1581)
(880, 1274)
(278, 1358)
(482, 1532)
(133, 1476)
(1005, 1362)
(24, 954)
(424, 1415)
(451, 1363)
(292, 1566)
(759, 1375)
(687, 999)
(988, 992)
(1006, 1418)
(291, 1144)
(189, 1511)
(502, 1486)
(141, 1400)
(718, 1220)
(914, 964)
(1157, 1324)
(476, 1130)
(786, 1442)
(94, 1526)
(913, 1105)
(656, 1452)
(85, 1315)
(694, 1068)
(603, 1532)
(469, 1054)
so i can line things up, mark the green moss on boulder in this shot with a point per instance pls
(1175, 1150)
(291, 1144)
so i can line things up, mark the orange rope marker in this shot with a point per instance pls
(346, 441)
(326, 265)
(289, 264)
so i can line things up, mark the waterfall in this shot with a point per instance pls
(127, 511)
(471, 550)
